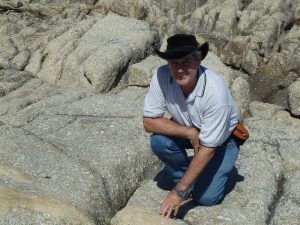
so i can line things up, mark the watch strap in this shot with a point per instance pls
(181, 193)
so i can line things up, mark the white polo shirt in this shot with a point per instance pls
(209, 107)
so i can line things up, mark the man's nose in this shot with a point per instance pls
(180, 69)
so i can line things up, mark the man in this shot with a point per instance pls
(203, 117)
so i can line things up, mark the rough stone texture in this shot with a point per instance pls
(69, 144)
(11, 80)
(48, 172)
(237, 31)
(140, 74)
(241, 94)
(34, 209)
(288, 209)
(94, 55)
(294, 96)
(136, 215)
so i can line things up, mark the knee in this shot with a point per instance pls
(209, 199)
(158, 143)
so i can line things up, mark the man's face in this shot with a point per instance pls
(184, 70)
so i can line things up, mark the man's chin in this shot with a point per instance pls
(180, 79)
(181, 82)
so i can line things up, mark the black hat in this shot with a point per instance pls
(181, 45)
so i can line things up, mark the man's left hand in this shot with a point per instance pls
(170, 204)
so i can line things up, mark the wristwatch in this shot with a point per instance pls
(182, 194)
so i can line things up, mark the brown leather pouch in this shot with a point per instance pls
(240, 133)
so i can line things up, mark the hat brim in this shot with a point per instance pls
(181, 53)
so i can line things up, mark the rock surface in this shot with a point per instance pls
(73, 76)
(237, 29)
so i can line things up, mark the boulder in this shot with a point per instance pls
(140, 74)
(294, 96)
(240, 91)
(134, 216)
(94, 54)
(97, 153)
(10, 80)
(288, 210)
(37, 177)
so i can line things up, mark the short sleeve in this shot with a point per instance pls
(216, 127)
(155, 103)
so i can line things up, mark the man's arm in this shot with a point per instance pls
(202, 156)
(168, 127)
(172, 202)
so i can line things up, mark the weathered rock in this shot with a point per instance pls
(237, 29)
(288, 209)
(10, 80)
(140, 74)
(79, 133)
(94, 55)
(49, 178)
(294, 96)
(33, 99)
(134, 216)
(34, 209)
(241, 94)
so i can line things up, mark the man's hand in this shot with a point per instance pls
(193, 136)
(170, 204)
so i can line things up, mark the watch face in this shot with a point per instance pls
(181, 193)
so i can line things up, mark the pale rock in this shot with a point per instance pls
(140, 74)
(135, 216)
(294, 96)
(58, 49)
(11, 80)
(214, 63)
(250, 62)
(263, 110)
(21, 60)
(106, 50)
(288, 209)
(241, 94)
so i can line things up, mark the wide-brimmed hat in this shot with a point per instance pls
(182, 45)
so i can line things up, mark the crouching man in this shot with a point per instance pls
(203, 118)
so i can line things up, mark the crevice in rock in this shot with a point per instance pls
(34, 117)
(289, 26)
(292, 115)
(272, 207)
(215, 20)
(44, 58)
(119, 76)
(9, 7)
(245, 4)
(96, 116)
(89, 80)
